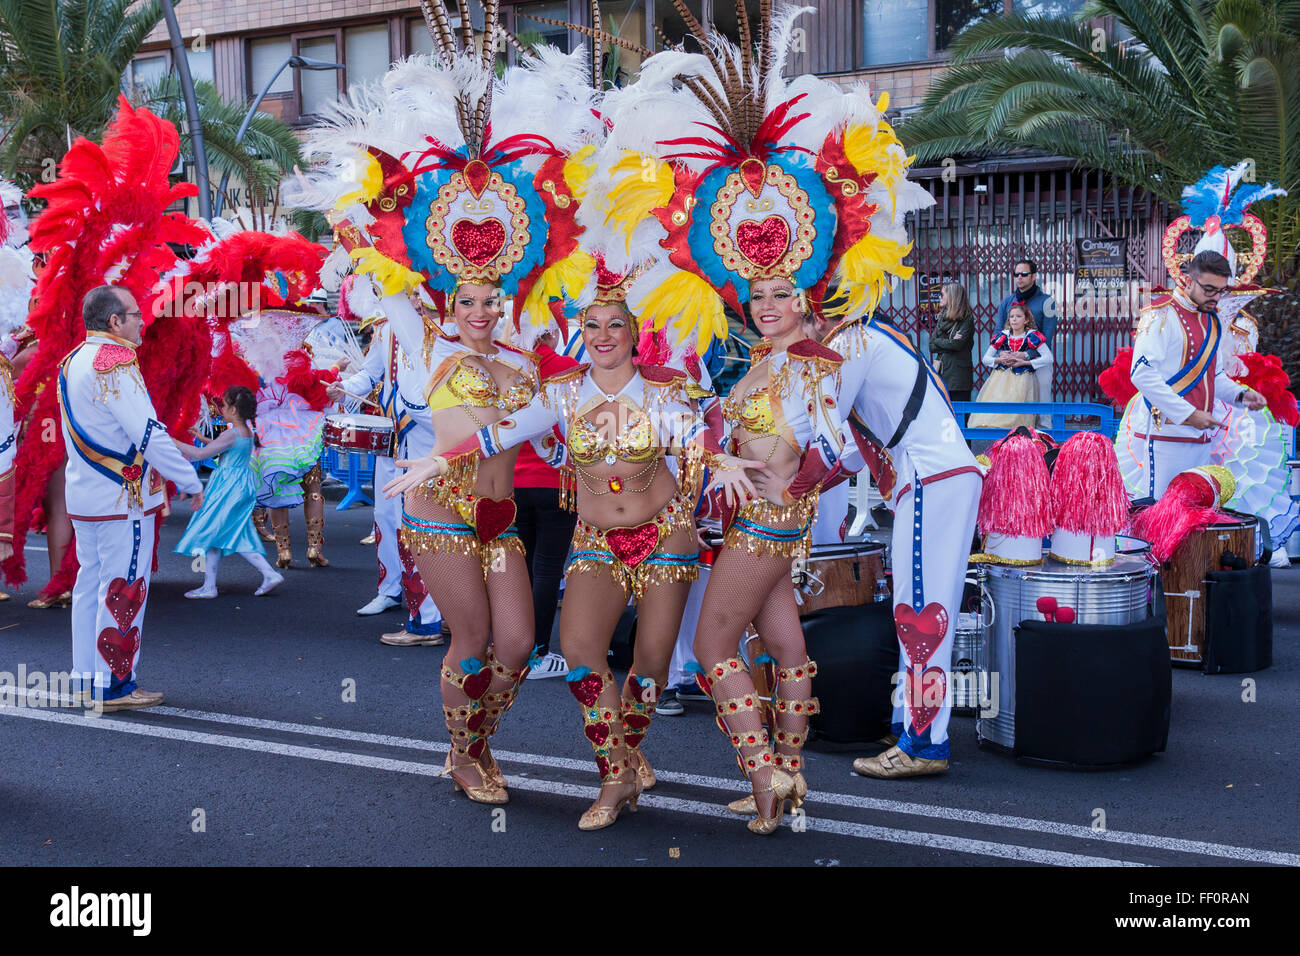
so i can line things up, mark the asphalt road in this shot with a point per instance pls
(257, 758)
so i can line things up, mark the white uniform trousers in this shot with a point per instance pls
(398, 576)
(933, 528)
(1166, 459)
(108, 601)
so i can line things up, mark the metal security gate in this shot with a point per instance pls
(987, 218)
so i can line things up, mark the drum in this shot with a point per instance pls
(1119, 593)
(366, 434)
(840, 575)
(1183, 577)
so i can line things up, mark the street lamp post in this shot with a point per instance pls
(297, 62)
(191, 108)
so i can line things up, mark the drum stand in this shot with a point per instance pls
(1191, 610)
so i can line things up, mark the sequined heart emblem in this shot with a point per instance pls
(476, 748)
(763, 243)
(132, 472)
(925, 697)
(492, 517)
(922, 632)
(597, 733)
(125, 600)
(586, 690)
(602, 764)
(118, 649)
(476, 719)
(479, 242)
(476, 685)
(635, 721)
(633, 545)
(415, 591)
(110, 356)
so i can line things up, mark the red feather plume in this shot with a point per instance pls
(1115, 381)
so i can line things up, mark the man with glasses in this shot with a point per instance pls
(1176, 371)
(1026, 292)
(119, 460)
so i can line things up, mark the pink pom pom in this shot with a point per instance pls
(1088, 495)
(1015, 499)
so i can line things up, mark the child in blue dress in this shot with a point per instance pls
(224, 523)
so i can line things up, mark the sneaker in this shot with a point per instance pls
(201, 594)
(690, 692)
(669, 705)
(552, 665)
(1280, 559)
(378, 605)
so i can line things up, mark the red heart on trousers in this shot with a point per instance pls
(921, 633)
(597, 733)
(118, 649)
(925, 698)
(492, 517)
(476, 685)
(633, 545)
(587, 689)
(125, 600)
(763, 243)
(479, 242)
(415, 591)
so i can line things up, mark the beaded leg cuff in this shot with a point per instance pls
(602, 724)
(639, 703)
(792, 713)
(739, 717)
(469, 723)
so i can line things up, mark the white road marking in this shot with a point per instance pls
(936, 841)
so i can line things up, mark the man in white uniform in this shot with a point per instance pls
(401, 386)
(1177, 373)
(119, 460)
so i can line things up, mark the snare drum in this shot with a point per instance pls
(1118, 593)
(365, 434)
(839, 575)
(1183, 577)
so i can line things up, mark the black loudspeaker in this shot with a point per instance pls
(1238, 621)
(1092, 695)
(856, 650)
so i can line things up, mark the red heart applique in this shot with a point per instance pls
(110, 356)
(479, 242)
(633, 545)
(921, 633)
(415, 591)
(602, 764)
(132, 472)
(476, 685)
(587, 689)
(125, 600)
(492, 517)
(763, 243)
(635, 721)
(925, 697)
(476, 719)
(118, 650)
(597, 733)
(475, 749)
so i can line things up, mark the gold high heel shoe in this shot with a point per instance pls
(59, 600)
(485, 792)
(790, 717)
(316, 542)
(782, 784)
(598, 817)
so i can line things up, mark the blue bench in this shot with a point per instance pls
(1060, 411)
(354, 470)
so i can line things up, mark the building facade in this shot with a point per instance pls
(987, 214)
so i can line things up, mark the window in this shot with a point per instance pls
(894, 31)
(366, 53)
(530, 31)
(418, 39)
(265, 57)
(148, 70)
(317, 87)
(201, 65)
(953, 16)
(670, 24)
(1048, 8)
(624, 19)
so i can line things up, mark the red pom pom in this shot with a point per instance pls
(1186, 506)
(1088, 495)
(1046, 605)
(1115, 381)
(1015, 499)
(1065, 615)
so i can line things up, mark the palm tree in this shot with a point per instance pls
(268, 152)
(1199, 83)
(61, 67)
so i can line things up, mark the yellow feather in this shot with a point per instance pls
(372, 182)
(640, 185)
(392, 277)
(578, 169)
(691, 305)
(566, 278)
(864, 274)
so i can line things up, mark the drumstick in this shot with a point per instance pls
(364, 400)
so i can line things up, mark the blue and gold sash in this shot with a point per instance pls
(127, 469)
(1187, 377)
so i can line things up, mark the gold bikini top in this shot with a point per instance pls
(752, 411)
(469, 385)
(635, 442)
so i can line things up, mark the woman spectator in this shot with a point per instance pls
(951, 342)
(1015, 355)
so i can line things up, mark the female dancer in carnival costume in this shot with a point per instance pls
(748, 187)
(635, 535)
(485, 210)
